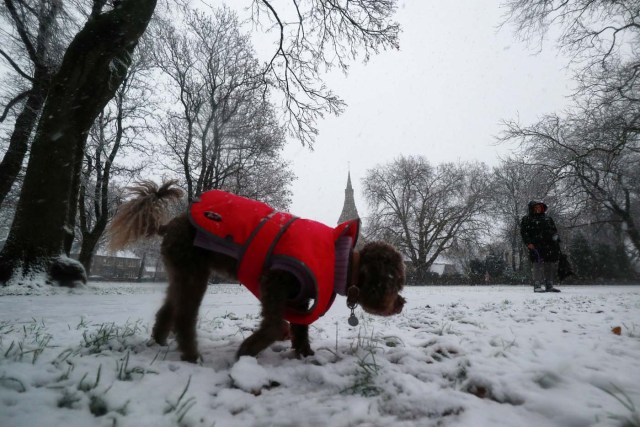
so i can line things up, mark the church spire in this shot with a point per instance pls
(349, 210)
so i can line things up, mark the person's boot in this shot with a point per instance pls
(549, 288)
(537, 287)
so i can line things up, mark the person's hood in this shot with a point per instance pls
(536, 202)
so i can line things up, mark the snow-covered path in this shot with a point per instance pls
(457, 356)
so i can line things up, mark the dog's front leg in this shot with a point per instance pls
(274, 290)
(300, 340)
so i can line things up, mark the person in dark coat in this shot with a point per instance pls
(540, 235)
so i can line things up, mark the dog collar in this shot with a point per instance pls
(344, 247)
(353, 292)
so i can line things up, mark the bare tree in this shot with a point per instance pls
(119, 129)
(32, 52)
(594, 33)
(423, 209)
(225, 132)
(92, 69)
(593, 147)
(256, 144)
(324, 33)
(319, 35)
(595, 153)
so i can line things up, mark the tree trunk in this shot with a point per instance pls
(632, 231)
(87, 250)
(90, 240)
(72, 211)
(92, 69)
(520, 258)
(421, 272)
(155, 272)
(19, 141)
(40, 83)
(142, 265)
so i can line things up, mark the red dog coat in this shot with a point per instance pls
(263, 239)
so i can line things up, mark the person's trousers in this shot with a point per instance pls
(544, 273)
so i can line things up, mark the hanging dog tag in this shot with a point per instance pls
(352, 301)
(353, 320)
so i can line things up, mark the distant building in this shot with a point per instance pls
(122, 265)
(125, 265)
(349, 210)
(443, 269)
(154, 270)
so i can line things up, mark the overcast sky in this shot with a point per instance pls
(442, 96)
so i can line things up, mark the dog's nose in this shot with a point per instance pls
(399, 305)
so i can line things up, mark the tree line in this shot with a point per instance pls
(100, 93)
(582, 161)
(469, 214)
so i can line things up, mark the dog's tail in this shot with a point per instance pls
(143, 215)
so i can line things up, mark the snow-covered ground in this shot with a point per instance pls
(457, 356)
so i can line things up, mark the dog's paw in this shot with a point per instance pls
(153, 341)
(245, 350)
(191, 358)
(304, 352)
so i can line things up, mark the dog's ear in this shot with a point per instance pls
(381, 268)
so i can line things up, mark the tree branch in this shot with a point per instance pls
(15, 66)
(20, 27)
(13, 102)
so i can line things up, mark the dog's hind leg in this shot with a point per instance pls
(274, 293)
(164, 322)
(193, 285)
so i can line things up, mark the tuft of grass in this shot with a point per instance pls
(65, 375)
(633, 418)
(64, 356)
(367, 342)
(506, 346)
(82, 386)
(13, 384)
(83, 324)
(98, 406)
(364, 348)
(392, 341)
(181, 407)
(445, 328)
(6, 328)
(33, 342)
(365, 377)
(69, 399)
(109, 336)
(125, 373)
(164, 351)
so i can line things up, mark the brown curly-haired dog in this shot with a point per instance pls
(374, 279)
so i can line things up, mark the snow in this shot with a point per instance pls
(456, 356)
(118, 254)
